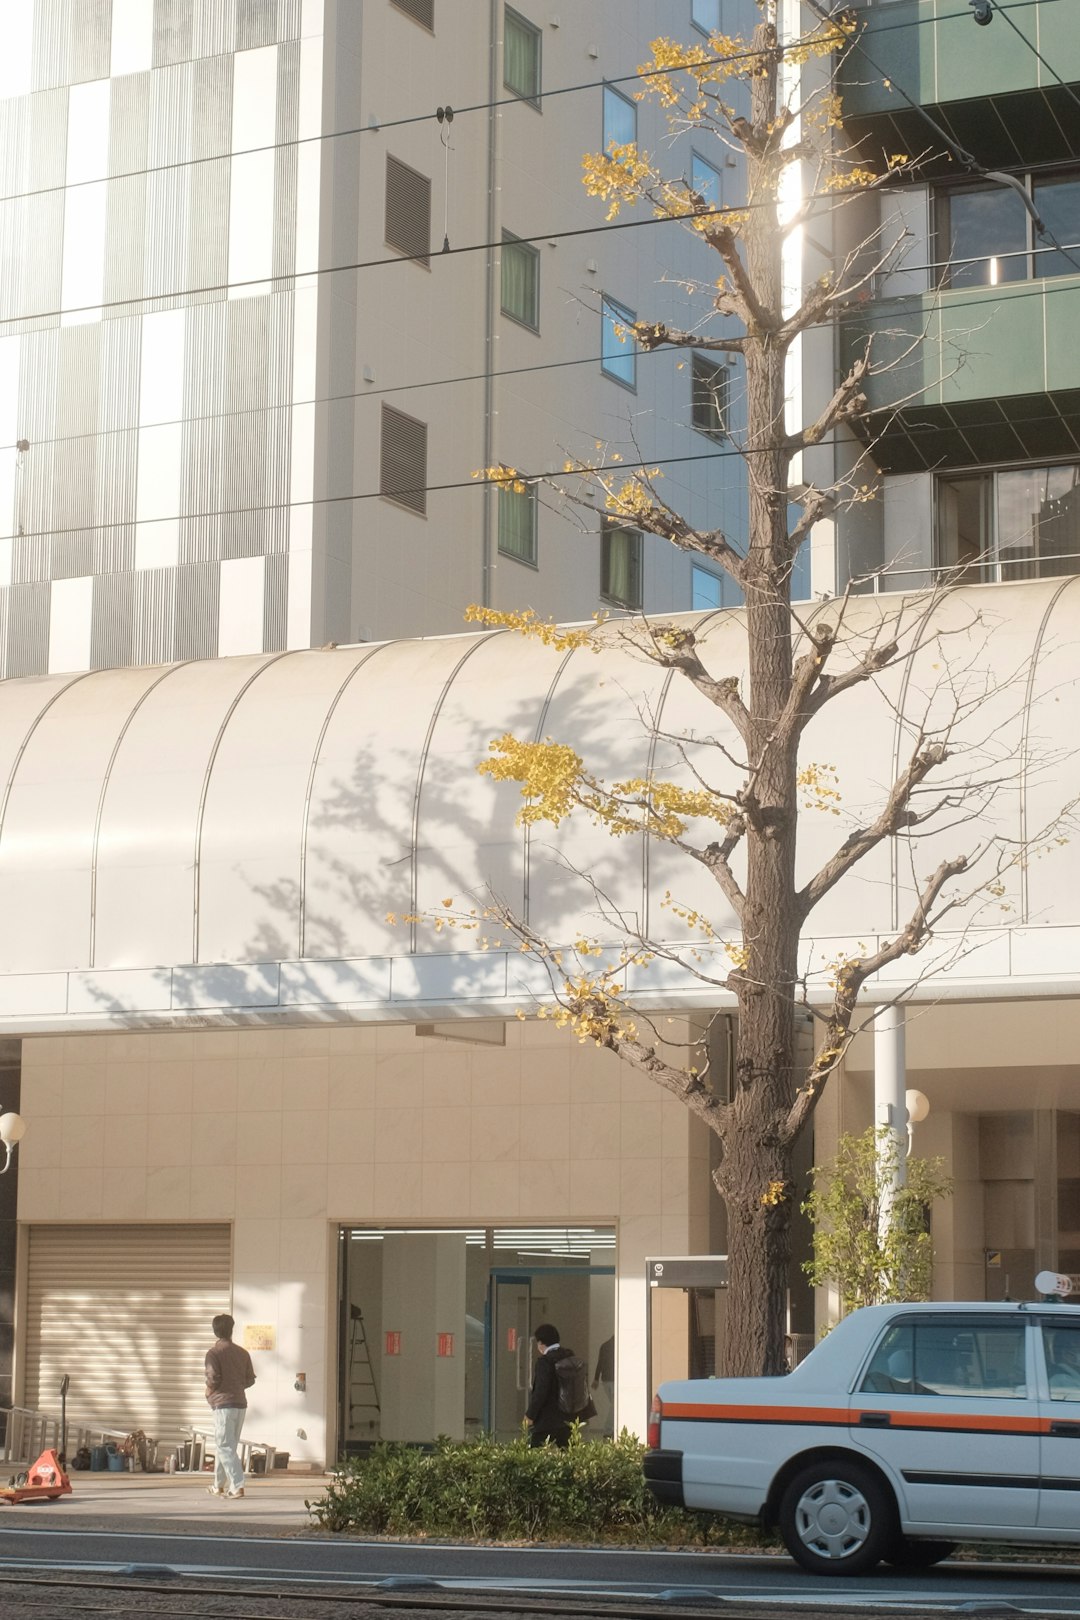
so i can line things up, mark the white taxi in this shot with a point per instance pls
(908, 1429)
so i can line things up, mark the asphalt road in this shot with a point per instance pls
(304, 1565)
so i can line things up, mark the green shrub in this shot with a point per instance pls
(488, 1490)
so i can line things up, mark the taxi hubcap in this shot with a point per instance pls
(833, 1518)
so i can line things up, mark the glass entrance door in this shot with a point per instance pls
(510, 1352)
(580, 1302)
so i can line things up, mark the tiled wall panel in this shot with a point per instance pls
(132, 465)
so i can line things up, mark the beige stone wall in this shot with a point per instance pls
(288, 1133)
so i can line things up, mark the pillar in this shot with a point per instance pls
(890, 1084)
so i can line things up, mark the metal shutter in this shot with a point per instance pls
(422, 11)
(408, 210)
(403, 459)
(126, 1312)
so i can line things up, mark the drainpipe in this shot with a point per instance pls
(487, 583)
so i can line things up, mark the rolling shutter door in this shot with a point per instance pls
(125, 1311)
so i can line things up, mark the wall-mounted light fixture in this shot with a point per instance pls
(12, 1131)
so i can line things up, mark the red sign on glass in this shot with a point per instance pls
(511, 1339)
(393, 1344)
(446, 1344)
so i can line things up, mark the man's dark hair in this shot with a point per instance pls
(546, 1335)
(222, 1327)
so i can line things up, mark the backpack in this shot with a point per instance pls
(572, 1380)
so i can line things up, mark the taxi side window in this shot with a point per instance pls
(890, 1370)
(935, 1358)
(1062, 1347)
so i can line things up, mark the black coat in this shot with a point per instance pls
(543, 1407)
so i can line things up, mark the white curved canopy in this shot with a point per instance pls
(227, 838)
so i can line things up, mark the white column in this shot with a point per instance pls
(890, 1083)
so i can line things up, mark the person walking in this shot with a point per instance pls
(544, 1415)
(229, 1374)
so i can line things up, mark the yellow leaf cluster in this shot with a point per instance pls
(819, 786)
(631, 499)
(617, 176)
(505, 477)
(856, 179)
(526, 623)
(775, 1193)
(550, 774)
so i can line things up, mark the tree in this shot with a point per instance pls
(799, 667)
(872, 1238)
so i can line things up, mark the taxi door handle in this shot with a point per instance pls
(875, 1420)
(1068, 1430)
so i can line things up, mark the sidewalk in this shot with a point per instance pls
(271, 1504)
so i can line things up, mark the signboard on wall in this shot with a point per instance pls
(260, 1336)
(446, 1344)
(393, 1344)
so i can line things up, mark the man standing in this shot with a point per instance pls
(544, 1416)
(229, 1374)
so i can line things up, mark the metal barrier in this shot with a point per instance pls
(27, 1433)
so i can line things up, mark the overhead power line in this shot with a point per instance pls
(378, 126)
(615, 467)
(1003, 11)
(880, 310)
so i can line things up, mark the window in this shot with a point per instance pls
(521, 57)
(706, 589)
(520, 270)
(1057, 199)
(408, 211)
(620, 565)
(1061, 1344)
(705, 180)
(517, 523)
(620, 119)
(705, 14)
(973, 1359)
(708, 396)
(618, 351)
(421, 11)
(1016, 523)
(403, 460)
(986, 237)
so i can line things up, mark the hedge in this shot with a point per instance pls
(490, 1490)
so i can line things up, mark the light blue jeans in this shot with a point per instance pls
(228, 1422)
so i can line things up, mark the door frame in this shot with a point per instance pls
(520, 1274)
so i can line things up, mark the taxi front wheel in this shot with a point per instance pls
(837, 1518)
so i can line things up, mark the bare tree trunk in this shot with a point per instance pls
(754, 1177)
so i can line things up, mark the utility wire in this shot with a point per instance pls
(484, 483)
(426, 118)
(861, 312)
(961, 153)
(1003, 11)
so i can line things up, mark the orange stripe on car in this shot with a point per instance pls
(899, 1419)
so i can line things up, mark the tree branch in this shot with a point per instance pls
(895, 816)
(676, 648)
(847, 401)
(850, 979)
(657, 336)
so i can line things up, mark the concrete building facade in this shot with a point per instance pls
(250, 393)
(243, 392)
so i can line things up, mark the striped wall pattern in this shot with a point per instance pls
(159, 450)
